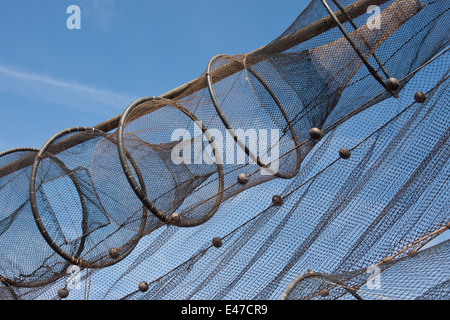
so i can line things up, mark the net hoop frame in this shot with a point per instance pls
(230, 128)
(75, 260)
(22, 149)
(142, 195)
(32, 284)
(328, 277)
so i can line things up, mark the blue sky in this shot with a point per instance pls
(53, 78)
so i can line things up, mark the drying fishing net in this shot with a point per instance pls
(285, 173)
(417, 276)
(73, 205)
(20, 238)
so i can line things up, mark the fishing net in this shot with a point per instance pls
(73, 205)
(20, 239)
(288, 172)
(416, 276)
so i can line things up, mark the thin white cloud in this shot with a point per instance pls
(60, 92)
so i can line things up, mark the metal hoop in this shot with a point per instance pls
(143, 195)
(75, 260)
(38, 283)
(302, 277)
(22, 149)
(372, 71)
(233, 133)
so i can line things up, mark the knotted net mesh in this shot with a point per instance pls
(287, 172)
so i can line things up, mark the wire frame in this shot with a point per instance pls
(259, 89)
(79, 228)
(324, 279)
(134, 135)
(28, 267)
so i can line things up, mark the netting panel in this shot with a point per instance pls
(326, 150)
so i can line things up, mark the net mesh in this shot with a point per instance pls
(288, 172)
(416, 276)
